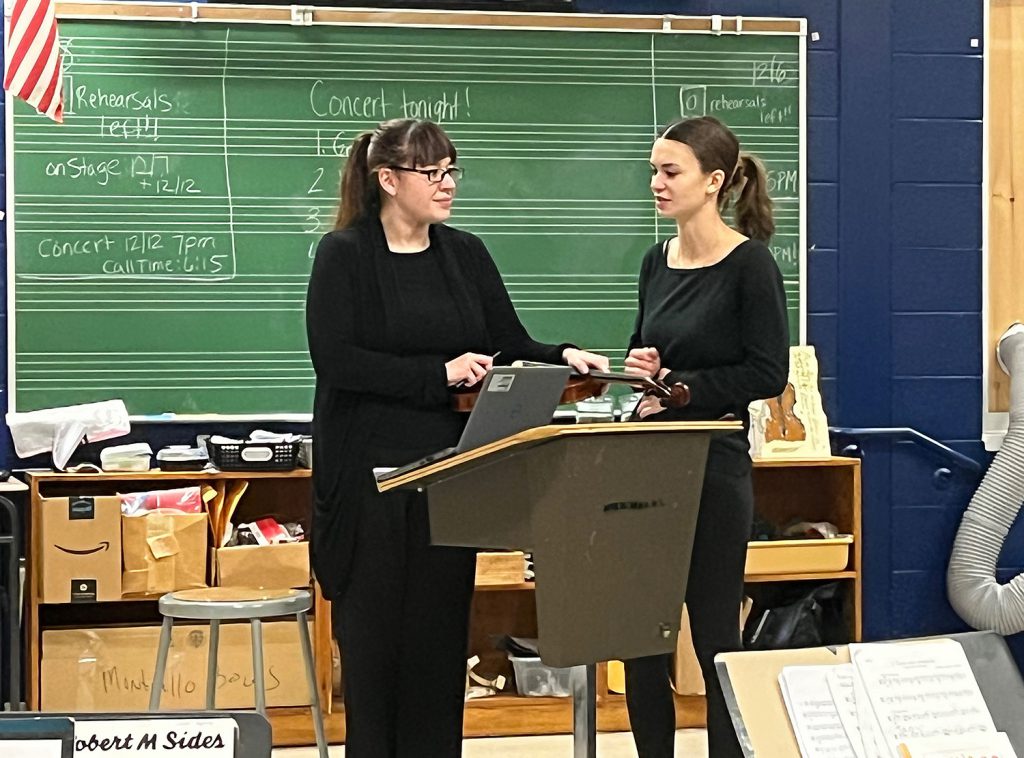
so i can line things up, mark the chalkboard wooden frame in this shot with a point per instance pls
(1002, 235)
(653, 26)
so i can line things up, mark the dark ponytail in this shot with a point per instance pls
(752, 206)
(357, 194)
(399, 142)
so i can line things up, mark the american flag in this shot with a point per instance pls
(33, 66)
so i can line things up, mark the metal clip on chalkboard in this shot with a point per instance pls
(302, 15)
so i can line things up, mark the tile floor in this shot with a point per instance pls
(690, 743)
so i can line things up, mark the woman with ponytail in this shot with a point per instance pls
(400, 308)
(712, 316)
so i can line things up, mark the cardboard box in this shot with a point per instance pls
(80, 540)
(163, 551)
(687, 678)
(280, 567)
(616, 671)
(500, 568)
(112, 669)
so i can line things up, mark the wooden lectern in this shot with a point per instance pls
(608, 511)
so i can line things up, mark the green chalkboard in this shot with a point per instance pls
(163, 235)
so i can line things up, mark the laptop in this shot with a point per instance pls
(512, 399)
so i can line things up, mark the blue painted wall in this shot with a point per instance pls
(894, 162)
(894, 267)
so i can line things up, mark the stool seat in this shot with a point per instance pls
(234, 603)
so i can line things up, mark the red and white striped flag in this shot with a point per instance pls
(33, 65)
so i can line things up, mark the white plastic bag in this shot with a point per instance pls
(61, 430)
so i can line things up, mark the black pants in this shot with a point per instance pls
(403, 624)
(714, 592)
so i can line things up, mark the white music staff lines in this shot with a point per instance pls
(199, 369)
(466, 63)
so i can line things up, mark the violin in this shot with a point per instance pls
(581, 386)
(783, 423)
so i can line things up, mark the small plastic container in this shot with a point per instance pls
(128, 463)
(627, 403)
(132, 457)
(181, 458)
(595, 410)
(534, 679)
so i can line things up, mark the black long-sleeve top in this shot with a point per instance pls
(722, 330)
(381, 326)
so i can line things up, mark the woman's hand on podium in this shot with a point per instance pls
(583, 361)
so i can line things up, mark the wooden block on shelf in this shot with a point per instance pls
(500, 568)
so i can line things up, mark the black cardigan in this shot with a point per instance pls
(349, 311)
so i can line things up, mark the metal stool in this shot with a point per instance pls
(218, 604)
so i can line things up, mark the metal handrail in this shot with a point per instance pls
(906, 433)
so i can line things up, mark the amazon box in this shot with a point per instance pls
(687, 678)
(80, 539)
(163, 551)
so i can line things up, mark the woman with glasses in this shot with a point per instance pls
(400, 308)
(713, 317)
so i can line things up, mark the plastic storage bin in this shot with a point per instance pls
(534, 679)
(254, 456)
(798, 556)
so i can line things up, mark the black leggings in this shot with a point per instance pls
(714, 592)
(402, 624)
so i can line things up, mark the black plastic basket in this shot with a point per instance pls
(254, 456)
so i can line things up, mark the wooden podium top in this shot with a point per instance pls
(542, 434)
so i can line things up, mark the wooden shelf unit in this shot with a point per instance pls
(285, 493)
(826, 490)
(818, 490)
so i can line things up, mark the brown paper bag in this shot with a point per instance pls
(213, 496)
(234, 493)
(163, 551)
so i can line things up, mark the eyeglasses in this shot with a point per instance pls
(434, 175)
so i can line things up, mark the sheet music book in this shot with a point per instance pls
(840, 680)
(895, 700)
(813, 713)
(921, 689)
(867, 721)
